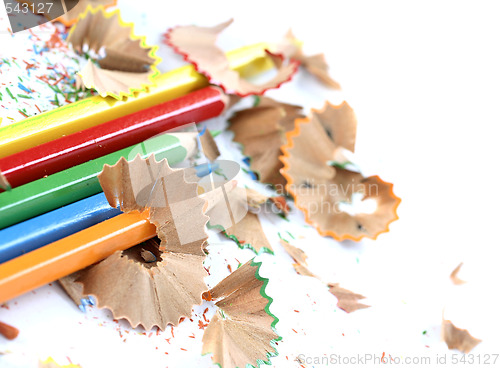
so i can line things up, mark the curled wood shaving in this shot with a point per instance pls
(314, 64)
(256, 200)
(299, 257)
(457, 338)
(261, 131)
(122, 63)
(320, 189)
(162, 195)
(339, 123)
(454, 275)
(232, 213)
(346, 299)
(198, 46)
(249, 232)
(142, 290)
(231, 209)
(242, 331)
(209, 146)
(73, 288)
(109, 82)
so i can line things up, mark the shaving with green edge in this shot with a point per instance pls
(243, 329)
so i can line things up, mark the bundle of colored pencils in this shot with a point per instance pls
(54, 218)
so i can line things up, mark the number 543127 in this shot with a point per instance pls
(25, 7)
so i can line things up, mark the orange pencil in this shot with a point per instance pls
(72, 253)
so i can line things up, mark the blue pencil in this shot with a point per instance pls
(52, 226)
(34, 233)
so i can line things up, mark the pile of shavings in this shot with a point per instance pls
(38, 73)
(139, 284)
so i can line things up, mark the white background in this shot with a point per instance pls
(424, 80)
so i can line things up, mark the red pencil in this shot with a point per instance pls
(89, 144)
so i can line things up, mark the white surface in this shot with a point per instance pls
(423, 79)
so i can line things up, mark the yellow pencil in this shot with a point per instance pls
(96, 110)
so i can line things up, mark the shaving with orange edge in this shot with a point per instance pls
(261, 131)
(316, 169)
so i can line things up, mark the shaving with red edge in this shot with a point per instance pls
(198, 46)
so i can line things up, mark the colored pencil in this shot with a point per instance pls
(72, 253)
(34, 233)
(81, 181)
(63, 153)
(47, 228)
(96, 110)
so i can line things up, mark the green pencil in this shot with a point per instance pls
(81, 181)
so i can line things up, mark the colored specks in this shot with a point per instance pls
(202, 325)
(10, 94)
(29, 66)
(40, 75)
(256, 101)
(283, 217)
(86, 302)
